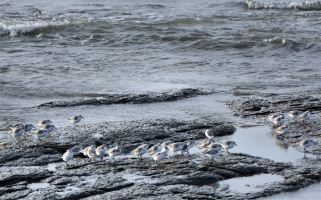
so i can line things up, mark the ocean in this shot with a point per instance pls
(82, 49)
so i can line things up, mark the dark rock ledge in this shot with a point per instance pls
(130, 98)
(126, 177)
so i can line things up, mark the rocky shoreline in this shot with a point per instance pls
(34, 169)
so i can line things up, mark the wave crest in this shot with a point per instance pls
(20, 26)
(306, 5)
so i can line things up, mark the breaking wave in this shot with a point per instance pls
(305, 5)
(20, 26)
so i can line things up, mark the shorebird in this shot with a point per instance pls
(27, 127)
(44, 122)
(17, 131)
(75, 119)
(165, 147)
(305, 116)
(101, 150)
(187, 145)
(91, 152)
(209, 134)
(76, 150)
(155, 149)
(158, 156)
(48, 127)
(40, 133)
(178, 146)
(214, 146)
(140, 150)
(212, 153)
(282, 129)
(305, 144)
(228, 145)
(294, 113)
(115, 151)
(67, 156)
(274, 115)
(85, 150)
(279, 120)
(202, 145)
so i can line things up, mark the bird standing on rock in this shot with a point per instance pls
(212, 153)
(67, 156)
(140, 151)
(17, 131)
(101, 150)
(209, 134)
(305, 144)
(44, 122)
(228, 145)
(305, 116)
(115, 151)
(75, 119)
(294, 113)
(282, 129)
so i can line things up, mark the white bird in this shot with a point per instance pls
(139, 151)
(44, 122)
(203, 144)
(40, 133)
(165, 147)
(115, 151)
(305, 116)
(274, 115)
(209, 134)
(76, 150)
(214, 146)
(212, 153)
(187, 145)
(294, 113)
(48, 127)
(91, 152)
(27, 127)
(155, 149)
(305, 144)
(279, 120)
(178, 146)
(67, 156)
(158, 156)
(101, 150)
(85, 150)
(75, 119)
(282, 129)
(17, 131)
(228, 145)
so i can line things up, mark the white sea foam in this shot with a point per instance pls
(22, 25)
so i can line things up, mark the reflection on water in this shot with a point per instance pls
(258, 141)
(311, 192)
(250, 184)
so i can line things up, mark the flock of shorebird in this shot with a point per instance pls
(158, 152)
(45, 127)
(282, 127)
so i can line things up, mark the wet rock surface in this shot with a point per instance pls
(33, 169)
(100, 99)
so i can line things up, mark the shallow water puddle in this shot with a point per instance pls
(250, 184)
(311, 192)
(258, 141)
(35, 186)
